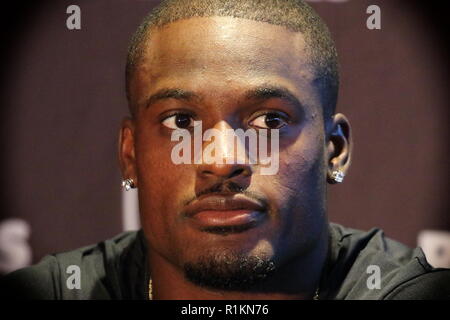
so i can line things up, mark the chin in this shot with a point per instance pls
(230, 269)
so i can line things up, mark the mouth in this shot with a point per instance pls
(226, 214)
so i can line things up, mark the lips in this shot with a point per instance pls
(220, 211)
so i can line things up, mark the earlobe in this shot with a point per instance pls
(339, 148)
(126, 150)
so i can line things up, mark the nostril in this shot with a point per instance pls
(207, 172)
(224, 171)
(237, 172)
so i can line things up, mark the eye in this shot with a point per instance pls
(179, 121)
(269, 120)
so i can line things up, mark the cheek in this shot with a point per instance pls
(162, 188)
(298, 190)
(162, 184)
(301, 163)
(155, 168)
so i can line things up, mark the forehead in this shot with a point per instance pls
(216, 50)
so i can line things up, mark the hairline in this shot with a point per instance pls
(140, 41)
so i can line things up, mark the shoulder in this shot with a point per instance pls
(431, 285)
(40, 281)
(77, 274)
(372, 266)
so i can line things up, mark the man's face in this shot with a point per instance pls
(222, 62)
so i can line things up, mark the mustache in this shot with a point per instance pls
(228, 187)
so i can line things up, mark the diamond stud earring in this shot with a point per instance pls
(337, 176)
(128, 184)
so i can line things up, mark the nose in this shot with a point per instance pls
(224, 156)
(225, 171)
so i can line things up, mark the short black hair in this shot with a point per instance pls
(295, 15)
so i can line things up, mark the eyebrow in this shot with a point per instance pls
(173, 93)
(269, 92)
(263, 92)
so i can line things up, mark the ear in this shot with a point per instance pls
(127, 158)
(339, 145)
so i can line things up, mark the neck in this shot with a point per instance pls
(297, 279)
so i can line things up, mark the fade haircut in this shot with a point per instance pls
(295, 15)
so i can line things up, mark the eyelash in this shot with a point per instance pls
(177, 113)
(281, 114)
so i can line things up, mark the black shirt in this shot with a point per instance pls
(117, 269)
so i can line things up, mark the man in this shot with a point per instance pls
(215, 225)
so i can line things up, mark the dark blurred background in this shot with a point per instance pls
(63, 96)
